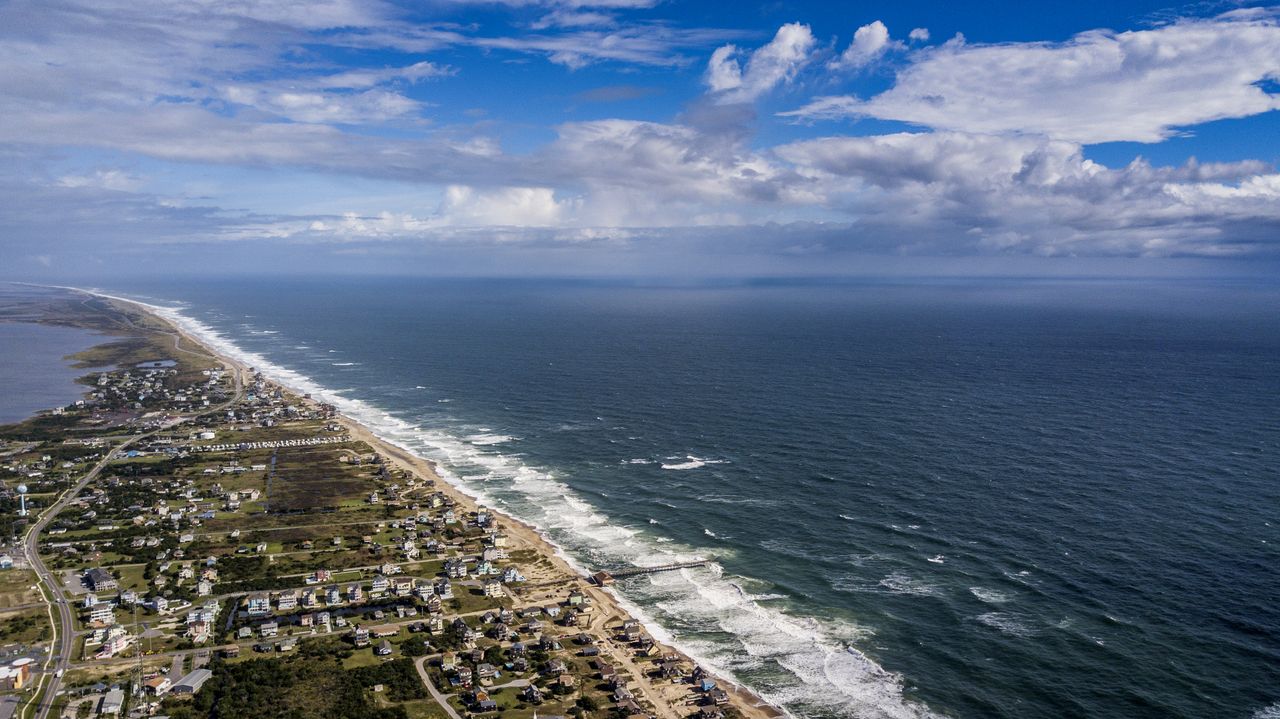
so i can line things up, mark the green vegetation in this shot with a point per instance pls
(24, 627)
(311, 683)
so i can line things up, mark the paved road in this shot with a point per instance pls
(66, 629)
(435, 693)
(65, 632)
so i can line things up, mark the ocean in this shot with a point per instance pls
(936, 498)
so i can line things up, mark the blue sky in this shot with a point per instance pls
(617, 137)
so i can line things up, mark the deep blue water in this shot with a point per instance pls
(1004, 499)
(34, 374)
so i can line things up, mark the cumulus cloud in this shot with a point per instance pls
(870, 42)
(766, 67)
(979, 193)
(919, 34)
(233, 85)
(1099, 86)
(504, 206)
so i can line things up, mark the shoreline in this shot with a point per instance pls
(613, 607)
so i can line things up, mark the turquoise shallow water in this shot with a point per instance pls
(34, 375)
(1009, 499)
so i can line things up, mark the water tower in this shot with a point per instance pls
(22, 499)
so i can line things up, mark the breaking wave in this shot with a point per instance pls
(691, 462)
(990, 596)
(1007, 623)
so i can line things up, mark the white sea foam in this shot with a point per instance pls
(894, 583)
(691, 462)
(344, 364)
(485, 439)
(737, 500)
(638, 460)
(903, 583)
(823, 674)
(1271, 712)
(990, 596)
(1007, 623)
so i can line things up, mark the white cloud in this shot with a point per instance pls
(214, 87)
(723, 71)
(366, 78)
(504, 206)
(1099, 86)
(652, 44)
(869, 43)
(118, 180)
(766, 68)
(919, 34)
(982, 193)
(324, 107)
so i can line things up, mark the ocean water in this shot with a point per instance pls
(34, 372)
(966, 499)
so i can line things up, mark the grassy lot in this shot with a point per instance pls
(111, 673)
(15, 588)
(362, 657)
(131, 576)
(309, 478)
(472, 599)
(424, 709)
(24, 626)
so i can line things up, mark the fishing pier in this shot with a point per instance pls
(603, 578)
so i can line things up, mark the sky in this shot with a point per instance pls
(637, 137)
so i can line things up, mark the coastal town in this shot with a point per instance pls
(191, 539)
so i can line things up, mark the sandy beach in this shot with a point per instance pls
(671, 700)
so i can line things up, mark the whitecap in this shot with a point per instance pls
(487, 440)
(691, 462)
(344, 364)
(903, 583)
(991, 596)
(1270, 712)
(1007, 623)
